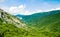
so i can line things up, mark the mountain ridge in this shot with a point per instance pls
(47, 25)
(36, 25)
(39, 16)
(10, 19)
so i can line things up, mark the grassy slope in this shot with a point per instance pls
(38, 19)
(52, 28)
(47, 27)
(9, 30)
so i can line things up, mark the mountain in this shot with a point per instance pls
(11, 26)
(46, 24)
(10, 19)
(38, 17)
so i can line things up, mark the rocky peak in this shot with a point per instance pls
(1, 13)
(10, 19)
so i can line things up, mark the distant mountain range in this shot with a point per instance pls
(45, 24)
(11, 26)
(38, 17)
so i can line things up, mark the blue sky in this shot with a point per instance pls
(27, 7)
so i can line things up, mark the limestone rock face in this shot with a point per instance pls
(10, 19)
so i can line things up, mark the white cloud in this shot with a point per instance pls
(2, 1)
(58, 8)
(17, 9)
(21, 9)
(39, 11)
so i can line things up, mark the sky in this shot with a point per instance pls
(28, 7)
